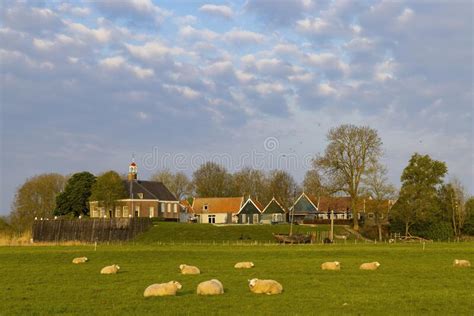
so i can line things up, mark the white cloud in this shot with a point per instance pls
(118, 62)
(217, 10)
(185, 91)
(385, 70)
(152, 50)
(239, 36)
(101, 35)
(406, 16)
(192, 33)
(143, 116)
(43, 44)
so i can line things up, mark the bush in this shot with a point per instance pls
(435, 230)
(468, 228)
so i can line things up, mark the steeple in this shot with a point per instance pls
(132, 170)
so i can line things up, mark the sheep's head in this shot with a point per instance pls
(116, 267)
(337, 263)
(85, 259)
(377, 264)
(251, 264)
(252, 282)
(177, 284)
(456, 261)
(181, 266)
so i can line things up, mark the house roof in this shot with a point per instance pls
(273, 201)
(337, 204)
(151, 190)
(256, 203)
(218, 205)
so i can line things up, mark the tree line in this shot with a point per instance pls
(425, 205)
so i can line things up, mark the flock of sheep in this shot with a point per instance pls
(215, 287)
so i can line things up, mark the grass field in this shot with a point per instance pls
(203, 233)
(411, 281)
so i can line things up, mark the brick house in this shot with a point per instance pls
(145, 199)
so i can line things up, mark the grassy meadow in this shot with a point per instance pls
(42, 280)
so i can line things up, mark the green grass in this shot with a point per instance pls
(43, 281)
(204, 233)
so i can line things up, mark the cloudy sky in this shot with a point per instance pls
(84, 85)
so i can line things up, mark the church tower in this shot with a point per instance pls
(132, 171)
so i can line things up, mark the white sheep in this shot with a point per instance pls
(80, 260)
(113, 269)
(336, 265)
(244, 265)
(211, 287)
(268, 287)
(163, 289)
(370, 266)
(461, 263)
(185, 269)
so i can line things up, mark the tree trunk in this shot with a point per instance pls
(406, 229)
(379, 227)
(354, 214)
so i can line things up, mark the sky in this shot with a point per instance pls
(87, 84)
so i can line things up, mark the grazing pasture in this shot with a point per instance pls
(42, 280)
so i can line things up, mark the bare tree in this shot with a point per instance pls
(457, 205)
(349, 154)
(36, 198)
(251, 182)
(212, 180)
(178, 183)
(282, 186)
(312, 183)
(381, 192)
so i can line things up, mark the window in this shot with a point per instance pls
(137, 211)
(211, 219)
(152, 211)
(168, 207)
(102, 211)
(125, 211)
(175, 208)
(163, 205)
(371, 215)
(117, 211)
(205, 207)
(276, 217)
(95, 212)
(140, 195)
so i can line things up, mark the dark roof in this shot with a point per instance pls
(151, 190)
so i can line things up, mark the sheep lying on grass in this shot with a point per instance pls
(370, 266)
(336, 265)
(80, 260)
(461, 263)
(163, 289)
(113, 269)
(268, 287)
(185, 269)
(244, 265)
(211, 287)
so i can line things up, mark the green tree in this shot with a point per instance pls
(468, 227)
(74, 199)
(351, 151)
(212, 180)
(418, 199)
(36, 198)
(178, 183)
(108, 189)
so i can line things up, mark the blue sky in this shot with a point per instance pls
(86, 84)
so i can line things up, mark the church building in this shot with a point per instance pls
(145, 199)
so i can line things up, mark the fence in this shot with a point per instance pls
(89, 230)
(328, 221)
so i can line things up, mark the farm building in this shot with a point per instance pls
(273, 213)
(305, 207)
(250, 212)
(220, 210)
(145, 199)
